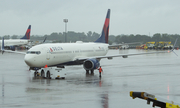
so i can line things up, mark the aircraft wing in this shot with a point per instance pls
(9, 51)
(156, 101)
(124, 55)
(115, 45)
(124, 44)
(120, 55)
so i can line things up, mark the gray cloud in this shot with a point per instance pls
(127, 17)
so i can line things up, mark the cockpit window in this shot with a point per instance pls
(33, 52)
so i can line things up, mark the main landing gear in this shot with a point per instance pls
(92, 72)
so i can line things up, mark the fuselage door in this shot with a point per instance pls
(48, 54)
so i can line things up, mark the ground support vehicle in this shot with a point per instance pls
(50, 73)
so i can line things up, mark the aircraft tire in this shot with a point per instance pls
(87, 71)
(92, 72)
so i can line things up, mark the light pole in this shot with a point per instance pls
(65, 20)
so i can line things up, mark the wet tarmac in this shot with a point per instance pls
(158, 74)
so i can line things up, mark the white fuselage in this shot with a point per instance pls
(58, 53)
(14, 42)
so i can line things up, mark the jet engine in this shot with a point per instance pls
(91, 64)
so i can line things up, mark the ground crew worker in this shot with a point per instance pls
(100, 70)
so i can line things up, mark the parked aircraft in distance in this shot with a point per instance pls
(79, 53)
(11, 43)
(123, 45)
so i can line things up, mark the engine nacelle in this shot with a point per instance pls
(91, 64)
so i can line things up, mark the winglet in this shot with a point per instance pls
(105, 32)
(174, 47)
(27, 34)
(2, 46)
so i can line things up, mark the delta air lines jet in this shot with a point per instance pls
(11, 43)
(79, 53)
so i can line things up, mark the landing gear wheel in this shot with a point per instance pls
(48, 75)
(87, 71)
(92, 72)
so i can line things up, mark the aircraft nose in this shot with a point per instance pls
(29, 60)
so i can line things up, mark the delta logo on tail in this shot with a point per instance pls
(27, 34)
(105, 32)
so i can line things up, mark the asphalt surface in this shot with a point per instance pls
(158, 74)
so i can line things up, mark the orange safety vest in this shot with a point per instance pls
(100, 69)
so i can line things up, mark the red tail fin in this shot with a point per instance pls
(105, 32)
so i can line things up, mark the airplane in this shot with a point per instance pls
(11, 43)
(123, 45)
(60, 55)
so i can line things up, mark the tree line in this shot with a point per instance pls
(92, 36)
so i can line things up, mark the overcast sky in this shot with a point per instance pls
(127, 16)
